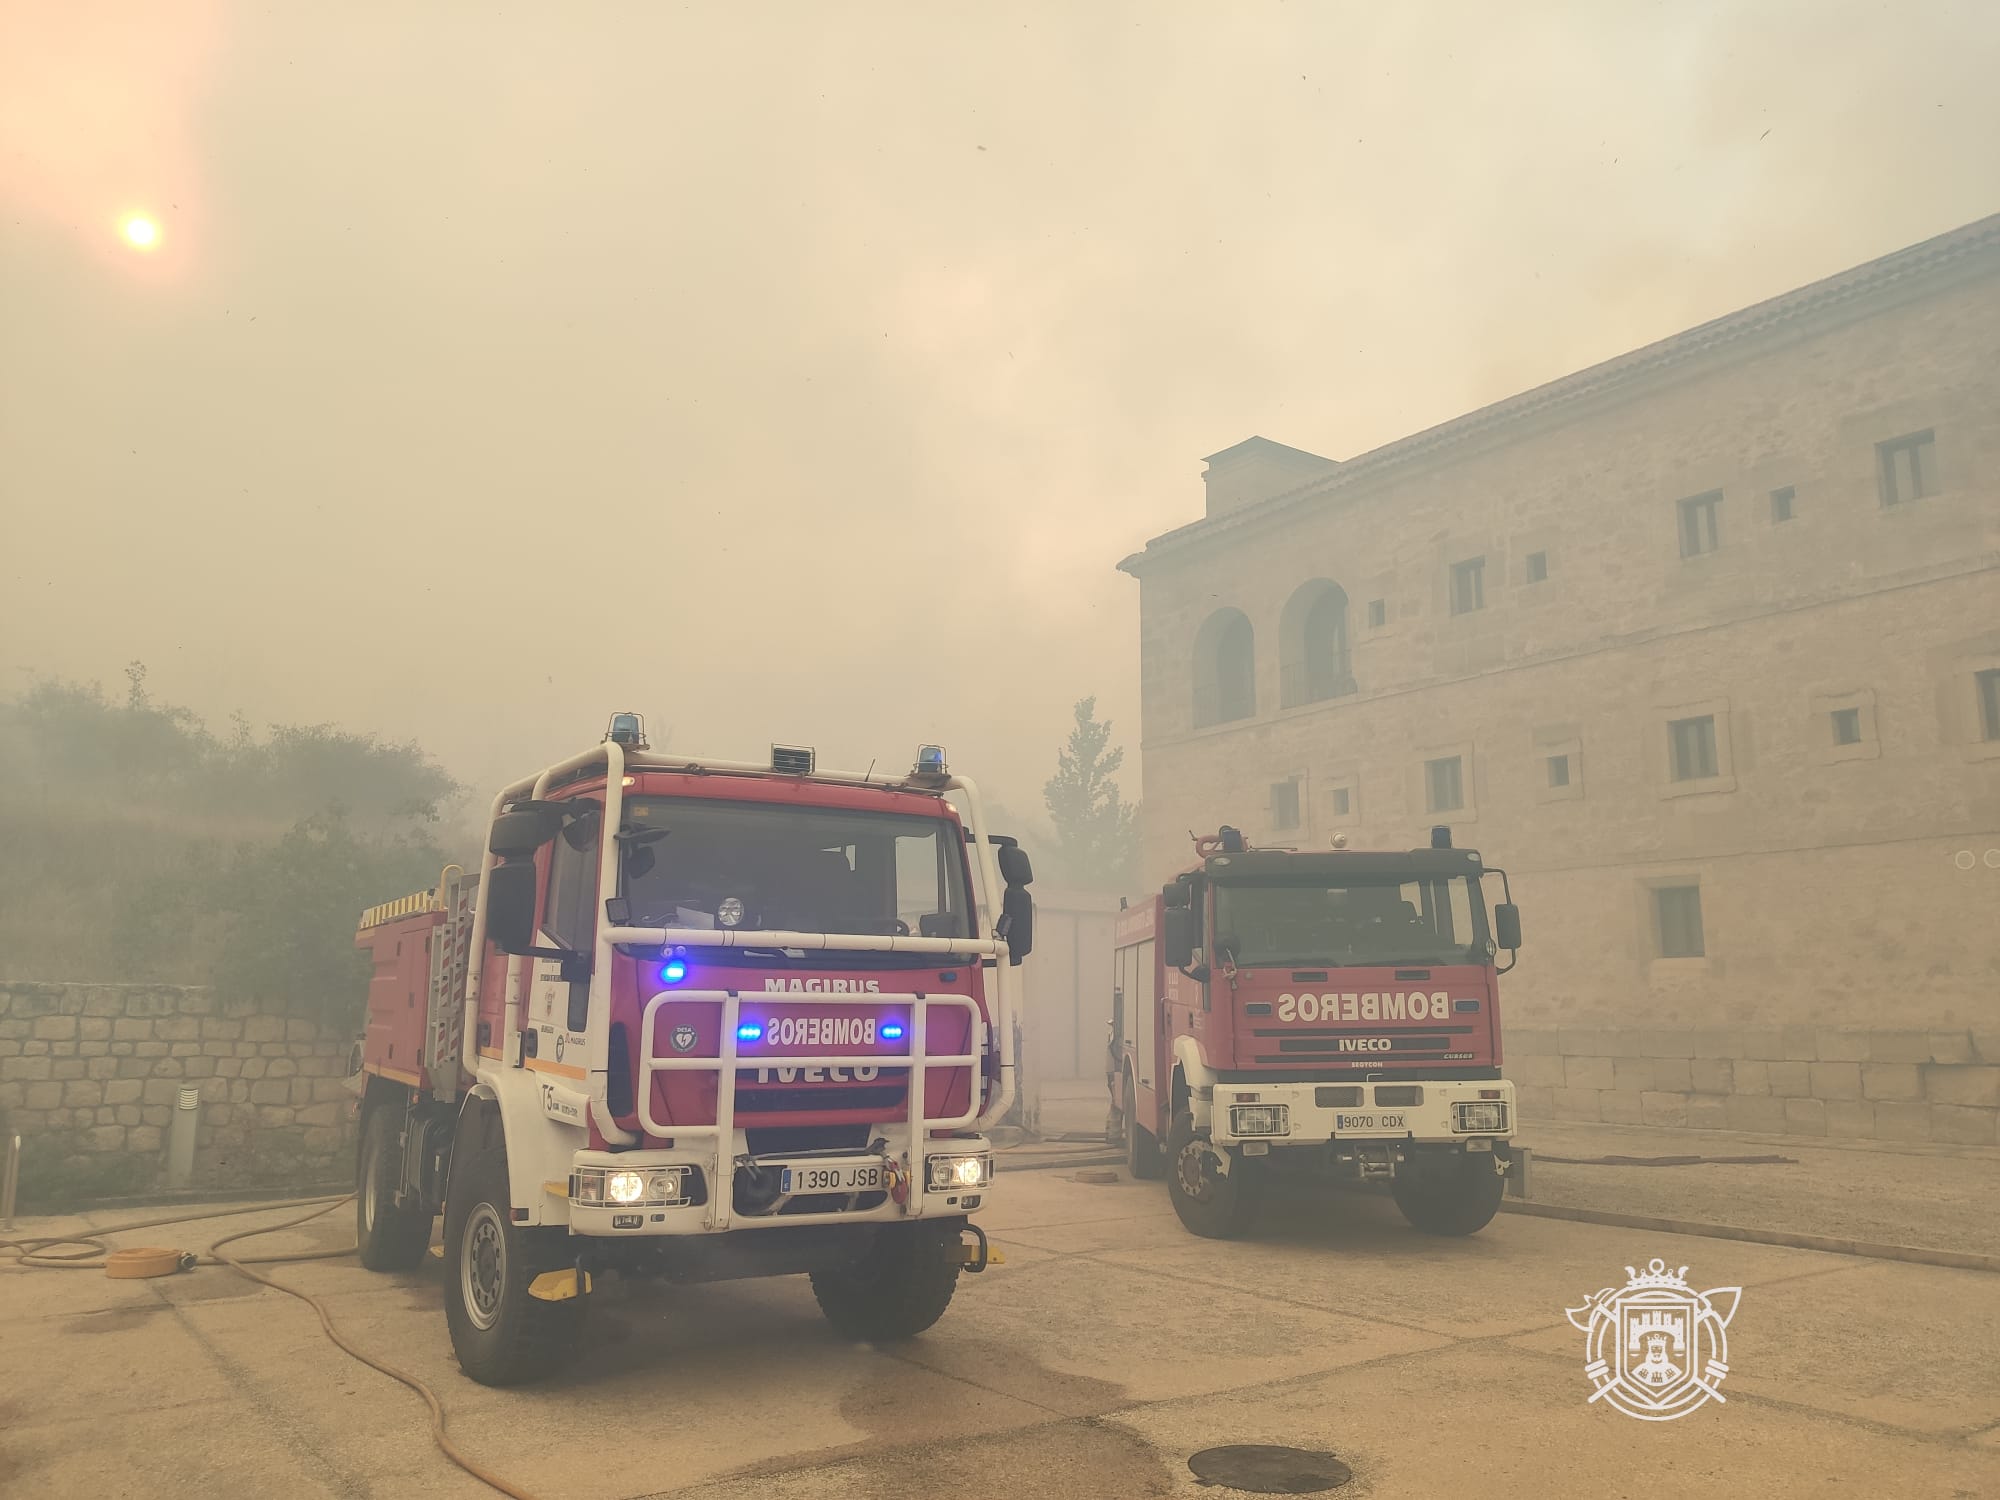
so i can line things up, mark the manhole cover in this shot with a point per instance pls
(1262, 1469)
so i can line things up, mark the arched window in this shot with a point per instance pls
(1225, 669)
(1313, 660)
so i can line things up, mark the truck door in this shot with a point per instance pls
(557, 1006)
(1142, 997)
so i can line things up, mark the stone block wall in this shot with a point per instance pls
(90, 1075)
(1790, 1080)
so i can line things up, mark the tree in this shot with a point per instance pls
(1095, 827)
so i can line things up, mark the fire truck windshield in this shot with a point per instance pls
(702, 862)
(1431, 921)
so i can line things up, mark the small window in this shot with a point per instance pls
(1692, 746)
(1908, 467)
(570, 908)
(1847, 726)
(1781, 504)
(1558, 770)
(1444, 784)
(1678, 911)
(1342, 801)
(1538, 566)
(1285, 804)
(1378, 612)
(1468, 586)
(1989, 704)
(1700, 524)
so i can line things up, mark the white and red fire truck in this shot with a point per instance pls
(701, 1020)
(1282, 1014)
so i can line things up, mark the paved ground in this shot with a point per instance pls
(1108, 1349)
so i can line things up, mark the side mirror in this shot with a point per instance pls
(581, 831)
(1507, 926)
(1181, 930)
(509, 898)
(518, 834)
(1174, 894)
(1017, 922)
(1015, 868)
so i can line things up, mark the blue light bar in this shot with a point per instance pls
(750, 1031)
(892, 1031)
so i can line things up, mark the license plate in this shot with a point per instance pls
(834, 1177)
(1378, 1123)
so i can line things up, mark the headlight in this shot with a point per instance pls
(948, 1173)
(626, 1187)
(1481, 1117)
(1260, 1119)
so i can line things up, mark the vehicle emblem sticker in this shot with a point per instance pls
(683, 1037)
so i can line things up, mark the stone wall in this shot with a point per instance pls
(1791, 1080)
(90, 1075)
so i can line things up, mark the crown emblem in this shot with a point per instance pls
(1656, 1274)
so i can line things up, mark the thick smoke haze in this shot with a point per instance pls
(800, 372)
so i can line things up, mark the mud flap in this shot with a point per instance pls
(1518, 1164)
(560, 1286)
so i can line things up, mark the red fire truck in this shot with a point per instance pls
(1281, 1014)
(695, 1019)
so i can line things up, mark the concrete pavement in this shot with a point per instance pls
(1108, 1349)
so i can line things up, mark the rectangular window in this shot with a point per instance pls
(1692, 744)
(1781, 504)
(1558, 770)
(1847, 726)
(1678, 910)
(1989, 704)
(1468, 586)
(1378, 612)
(1444, 784)
(1700, 524)
(1907, 467)
(1538, 566)
(1343, 801)
(1285, 804)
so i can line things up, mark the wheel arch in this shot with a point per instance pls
(537, 1148)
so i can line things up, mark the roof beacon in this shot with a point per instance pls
(1441, 836)
(628, 730)
(930, 760)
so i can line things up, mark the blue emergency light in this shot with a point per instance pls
(892, 1031)
(750, 1031)
(930, 760)
(673, 971)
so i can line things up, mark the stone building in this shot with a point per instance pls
(1702, 644)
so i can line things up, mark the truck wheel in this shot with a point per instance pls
(389, 1238)
(902, 1287)
(1459, 1200)
(1212, 1205)
(1142, 1147)
(501, 1335)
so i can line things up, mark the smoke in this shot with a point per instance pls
(800, 374)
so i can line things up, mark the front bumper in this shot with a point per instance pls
(753, 1198)
(1315, 1113)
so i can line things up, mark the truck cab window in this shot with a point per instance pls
(571, 900)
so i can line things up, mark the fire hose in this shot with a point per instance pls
(90, 1252)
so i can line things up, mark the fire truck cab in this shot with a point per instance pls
(694, 1019)
(1288, 1015)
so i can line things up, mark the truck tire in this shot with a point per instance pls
(501, 1335)
(388, 1237)
(1457, 1201)
(1209, 1204)
(1142, 1147)
(901, 1288)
